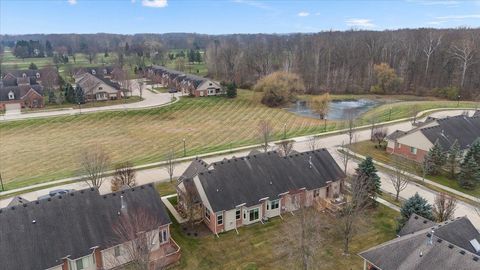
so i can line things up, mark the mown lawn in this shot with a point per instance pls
(274, 245)
(93, 104)
(367, 148)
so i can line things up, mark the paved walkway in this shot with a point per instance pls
(172, 209)
(150, 100)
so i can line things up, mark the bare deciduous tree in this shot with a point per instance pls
(265, 133)
(351, 125)
(352, 210)
(344, 156)
(170, 163)
(379, 135)
(464, 52)
(398, 178)
(444, 207)
(313, 143)
(414, 113)
(124, 176)
(285, 147)
(431, 44)
(320, 105)
(94, 162)
(135, 228)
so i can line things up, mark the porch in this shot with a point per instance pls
(167, 255)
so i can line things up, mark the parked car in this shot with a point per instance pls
(56, 192)
(171, 90)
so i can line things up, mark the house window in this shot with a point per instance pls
(237, 214)
(38, 75)
(413, 150)
(100, 88)
(24, 75)
(316, 193)
(163, 236)
(117, 251)
(397, 145)
(93, 71)
(207, 214)
(253, 214)
(271, 205)
(82, 263)
(219, 219)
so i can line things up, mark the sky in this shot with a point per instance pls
(230, 16)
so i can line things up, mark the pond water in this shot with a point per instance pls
(339, 109)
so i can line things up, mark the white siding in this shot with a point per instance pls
(273, 212)
(229, 220)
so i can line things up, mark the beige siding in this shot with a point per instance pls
(416, 139)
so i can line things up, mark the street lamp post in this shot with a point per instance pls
(1, 182)
(80, 107)
(458, 101)
(284, 131)
(184, 148)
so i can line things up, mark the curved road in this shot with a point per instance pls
(149, 100)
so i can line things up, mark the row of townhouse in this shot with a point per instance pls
(84, 230)
(21, 89)
(186, 83)
(240, 191)
(414, 144)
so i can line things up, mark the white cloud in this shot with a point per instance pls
(253, 3)
(303, 14)
(436, 2)
(72, 2)
(317, 13)
(365, 23)
(154, 3)
(459, 17)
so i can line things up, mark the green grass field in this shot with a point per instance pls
(367, 148)
(274, 245)
(51, 147)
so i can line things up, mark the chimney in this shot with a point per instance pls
(123, 207)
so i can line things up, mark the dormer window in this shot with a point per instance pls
(94, 72)
(100, 88)
(38, 75)
(11, 95)
(24, 75)
(105, 71)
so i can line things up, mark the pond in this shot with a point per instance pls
(339, 109)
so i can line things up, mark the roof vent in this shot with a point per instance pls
(424, 222)
(310, 164)
(34, 221)
(475, 259)
(421, 253)
(462, 252)
(217, 190)
(439, 240)
(450, 246)
(415, 217)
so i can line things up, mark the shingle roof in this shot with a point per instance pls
(415, 252)
(197, 166)
(19, 91)
(462, 128)
(38, 234)
(248, 179)
(395, 135)
(415, 223)
(477, 113)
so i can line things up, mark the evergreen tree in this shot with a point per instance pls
(48, 49)
(69, 93)
(367, 172)
(474, 151)
(79, 95)
(231, 90)
(453, 157)
(469, 174)
(437, 158)
(127, 49)
(33, 66)
(191, 56)
(415, 205)
(106, 53)
(198, 56)
(51, 97)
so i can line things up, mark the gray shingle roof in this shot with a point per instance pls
(197, 166)
(414, 252)
(415, 223)
(68, 225)
(19, 91)
(462, 128)
(246, 180)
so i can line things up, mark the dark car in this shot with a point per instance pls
(171, 90)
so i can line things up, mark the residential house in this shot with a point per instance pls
(105, 71)
(415, 144)
(98, 88)
(85, 230)
(240, 191)
(453, 244)
(185, 83)
(21, 89)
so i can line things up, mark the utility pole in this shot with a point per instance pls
(184, 148)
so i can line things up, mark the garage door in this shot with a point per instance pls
(13, 108)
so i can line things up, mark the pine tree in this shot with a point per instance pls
(452, 158)
(415, 205)
(33, 66)
(79, 95)
(231, 90)
(48, 49)
(69, 93)
(474, 151)
(437, 158)
(469, 174)
(372, 180)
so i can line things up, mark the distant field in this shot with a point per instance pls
(41, 150)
